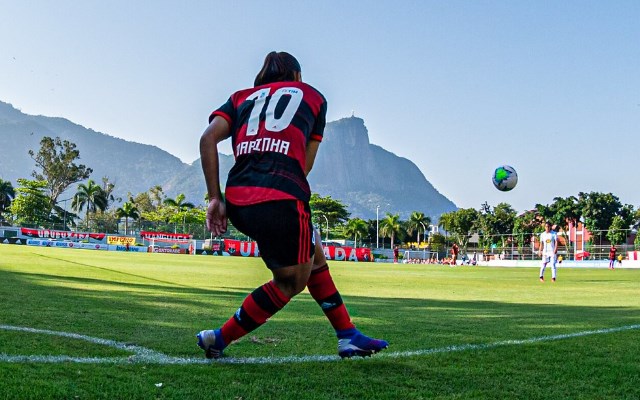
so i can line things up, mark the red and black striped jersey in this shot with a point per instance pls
(270, 128)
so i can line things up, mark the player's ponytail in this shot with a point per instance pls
(278, 67)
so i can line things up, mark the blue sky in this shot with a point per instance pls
(458, 87)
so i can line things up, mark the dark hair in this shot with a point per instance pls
(278, 67)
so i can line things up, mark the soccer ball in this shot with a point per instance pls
(505, 178)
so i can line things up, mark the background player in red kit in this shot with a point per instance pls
(454, 253)
(275, 128)
(612, 255)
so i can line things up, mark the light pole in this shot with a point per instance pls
(377, 227)
(64, 218)
(424, 237)
(424, 233)
(326, 219)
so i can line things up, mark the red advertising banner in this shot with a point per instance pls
(361, 254)
(240, 248)
(52, 234)
(164, 235)
(250, 249)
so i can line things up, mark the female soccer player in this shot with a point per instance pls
(276, 128)
(612, 256)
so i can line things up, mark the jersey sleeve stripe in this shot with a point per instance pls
(221, 114)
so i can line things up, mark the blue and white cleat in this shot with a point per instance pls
(211, 342)
(360, 345)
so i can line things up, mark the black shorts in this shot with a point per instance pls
(282, 229)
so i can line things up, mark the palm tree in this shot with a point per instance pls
(416, 222)
(91, 196)
(128, 210)
(178, 203)
(391, 226)
(356, 227)
(7, 194)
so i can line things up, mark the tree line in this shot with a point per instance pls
(93, 206)
(36, 202)
(495, 226)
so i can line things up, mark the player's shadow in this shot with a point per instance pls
(127, 311)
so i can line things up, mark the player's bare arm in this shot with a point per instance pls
(312, 150)
(217, 131)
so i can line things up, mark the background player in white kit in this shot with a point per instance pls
(548, 251)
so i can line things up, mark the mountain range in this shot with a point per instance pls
(348, 167)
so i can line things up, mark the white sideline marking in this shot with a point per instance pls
(143, 355)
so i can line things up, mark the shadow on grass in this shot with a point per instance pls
(164, 316)
(110, 270)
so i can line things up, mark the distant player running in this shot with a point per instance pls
(548, 251)
(276, 128)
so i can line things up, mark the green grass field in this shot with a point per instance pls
(454, 333)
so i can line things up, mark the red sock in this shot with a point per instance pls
(256, 309)
(325, 293)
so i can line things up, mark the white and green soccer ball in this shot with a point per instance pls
(505, 178)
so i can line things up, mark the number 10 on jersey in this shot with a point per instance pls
(271, 123)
